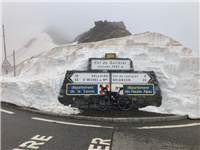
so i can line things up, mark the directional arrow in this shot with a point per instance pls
(151, 78)
(69, 77)
(88, 77)
(131, 78)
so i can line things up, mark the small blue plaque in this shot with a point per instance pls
(82, 89)
(139, 89)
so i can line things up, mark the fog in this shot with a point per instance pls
(24, 20)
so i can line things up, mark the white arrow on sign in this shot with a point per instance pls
(6, 63)
(88, 77)
(131, 78)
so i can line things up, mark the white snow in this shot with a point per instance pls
(40, 77)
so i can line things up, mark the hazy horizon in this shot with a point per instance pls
(24, 20)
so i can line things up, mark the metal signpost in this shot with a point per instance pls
(142, 89)
(89, 82)
(14, 62)
(82, 89)
(110, 64)
(110, 72)
(89, 77)
(5, 64)
(131, 78)
(119, 79)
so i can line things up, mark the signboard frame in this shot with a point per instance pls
(152, 95)
(69, 74)
(144, 79)
(140, 94)
(111, 59)
(69, 80)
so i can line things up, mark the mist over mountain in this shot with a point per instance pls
(77, 38)
(49, 38)
(58, 36)
(42, 42)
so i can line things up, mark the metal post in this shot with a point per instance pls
(4, 42)
(14, 62)
(4, 46)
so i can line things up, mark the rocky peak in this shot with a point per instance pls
(104, 30)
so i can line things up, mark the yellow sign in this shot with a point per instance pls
(111, 55)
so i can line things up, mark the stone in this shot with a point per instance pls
(103, 31)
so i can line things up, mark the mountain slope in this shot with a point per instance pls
(39, 44)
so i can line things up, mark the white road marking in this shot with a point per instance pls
(41, 138)
(33, 144)
(6, 111)
(172, 126)
(97, 143)
(69, 123)
(99, 126)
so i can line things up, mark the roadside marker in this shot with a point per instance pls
(6, 111)
(6, 63)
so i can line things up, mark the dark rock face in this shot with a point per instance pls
(103, 31)
(78, 37)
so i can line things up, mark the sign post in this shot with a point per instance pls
(5, 61)
(89, 77)
(6, 65)
(110, 64)
(14, 62)
(81, 88)
(131, 77)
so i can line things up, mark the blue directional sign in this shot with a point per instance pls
(138, 89)
(82, 89)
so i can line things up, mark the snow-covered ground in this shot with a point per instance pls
(40, 77)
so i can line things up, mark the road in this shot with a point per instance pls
(25, 130)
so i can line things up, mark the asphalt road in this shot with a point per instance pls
(27, 130)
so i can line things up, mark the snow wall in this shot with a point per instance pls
(40, 77)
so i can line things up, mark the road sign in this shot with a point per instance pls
(131, 78)
(89, 77)
(139, 89)
(81, 89)
(110, 64)
(6, 63)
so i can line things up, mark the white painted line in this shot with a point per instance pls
(172, 126)
(69, 123)
(6, 111)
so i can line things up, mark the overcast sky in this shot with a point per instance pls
(178, 20)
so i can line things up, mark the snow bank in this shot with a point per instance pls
(35, 92)
(39, 78)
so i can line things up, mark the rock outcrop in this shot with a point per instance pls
(103, 31)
